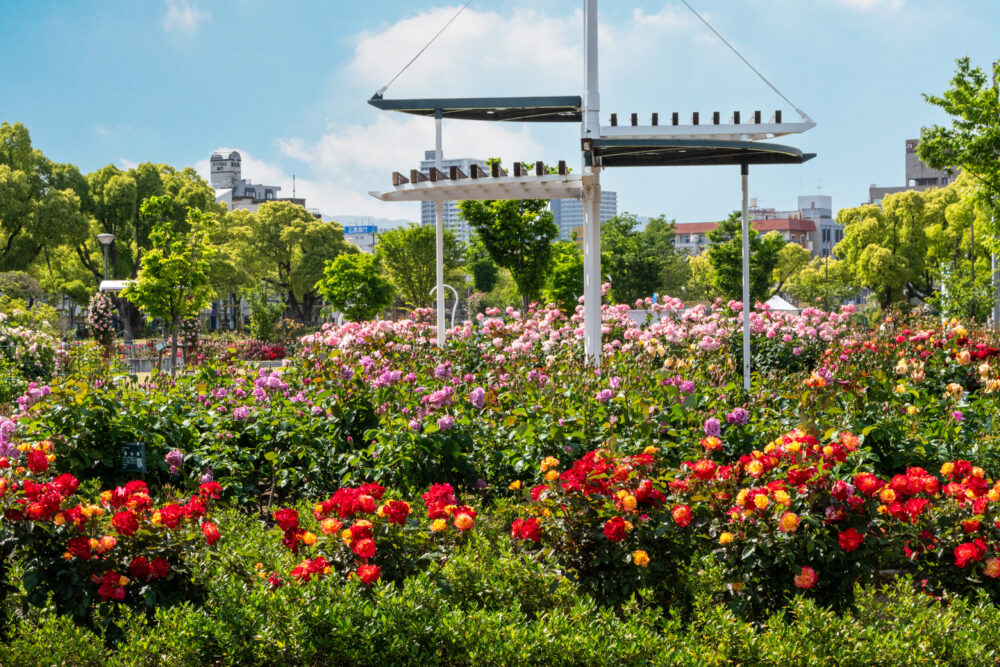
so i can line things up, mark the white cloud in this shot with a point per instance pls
(349, 161)
(101, 130)
(645, 58)
(127, 164)
(183, 17)
(522, 52)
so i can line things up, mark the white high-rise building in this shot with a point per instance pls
(452, 216)
(568, 213)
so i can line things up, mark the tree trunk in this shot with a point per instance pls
(524, 304)
(174, 326)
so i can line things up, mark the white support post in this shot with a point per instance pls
(592, 344)
(994, 260)
(745, 173)
(439, 236)
(591, 129)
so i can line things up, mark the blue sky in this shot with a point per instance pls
(287, 83)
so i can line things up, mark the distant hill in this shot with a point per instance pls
(381, 223)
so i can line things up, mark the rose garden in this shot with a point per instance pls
(377, 499)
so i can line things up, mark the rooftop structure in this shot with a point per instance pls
(238, 192)
(918, 176)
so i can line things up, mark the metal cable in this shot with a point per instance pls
(802, 113)
(421, 51)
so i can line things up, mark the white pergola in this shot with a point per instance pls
(703, 141)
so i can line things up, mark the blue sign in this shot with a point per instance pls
(361, 229)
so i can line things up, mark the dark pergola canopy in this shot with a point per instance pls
(690, 152)
(564, 109)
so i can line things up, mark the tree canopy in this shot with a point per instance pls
(518, 236)
(726, 257)
(353, 284)
(408, 255)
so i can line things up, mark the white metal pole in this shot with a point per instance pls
(995, 261)
(745, 173)
(590, 130)
(439, 236)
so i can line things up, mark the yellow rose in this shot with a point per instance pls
(640, 558)
(725, 538)
(629, 502)
(515, 485)
(552, 475)
(781, 497)
(789, 522)
(761, 501)
(549, 462)
(438, 525)
(308, 538)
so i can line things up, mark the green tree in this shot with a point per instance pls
(518, 236)
(792, 258)
(480, 266)
(408, 255)
(824, 280)
(972, 143)
(726, 256)
(173, 282)
(885, 247)
(287, 247)
(115, 206)
(353, 284)
(701, 279)
(564, 284)
(40, 201)
(641, 262)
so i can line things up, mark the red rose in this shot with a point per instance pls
(287, 519)
(139, 568)
(364, 548)
(361, 530)
(614, 529)
(704, 469)
(125, 523)
(526, 529)
(79, 547)
(369, 574)
(970, 551)
(682, 515)
(850, 539)
(37, 462)
(210, 490)
(396, 511)
(211, 533)
(171, 514)
(159, 567)
(66, 484)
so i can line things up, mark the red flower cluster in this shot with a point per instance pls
(111, 586)
(526, 529)
(305, 570)
(970, 552)
(348, 501)
(144, 570)
(616, 528)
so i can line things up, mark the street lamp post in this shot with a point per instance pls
(106, 240)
